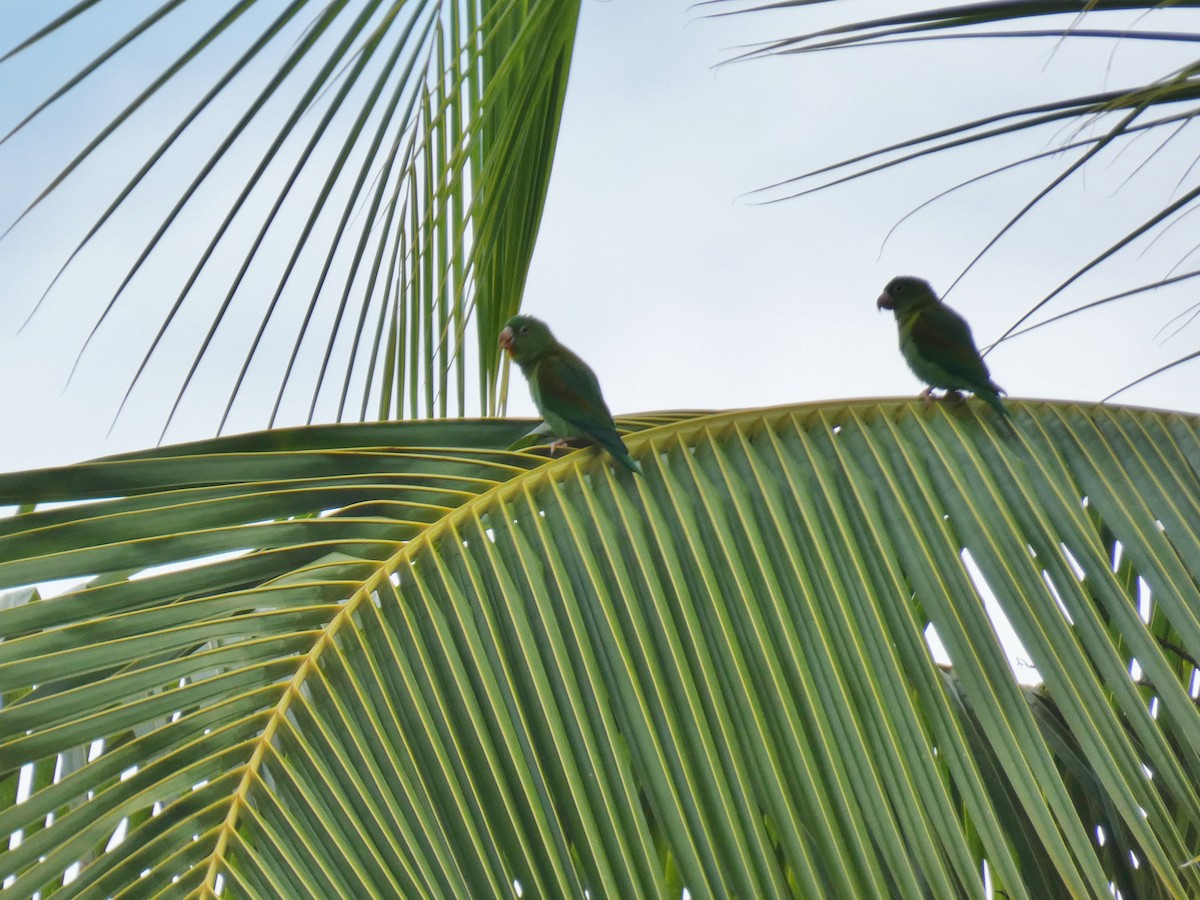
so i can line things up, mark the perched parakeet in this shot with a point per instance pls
(936, 341)
(564, 388)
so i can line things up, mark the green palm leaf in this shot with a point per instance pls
(399, 190)
(427, 665)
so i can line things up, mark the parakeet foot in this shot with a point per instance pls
(925, 397)
(557, 445)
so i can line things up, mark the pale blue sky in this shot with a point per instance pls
(652, 262)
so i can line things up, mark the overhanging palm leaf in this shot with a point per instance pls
(430, 666)
(1164, 107)
(400, 191)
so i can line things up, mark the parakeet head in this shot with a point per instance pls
(906, 292)
(524, 337)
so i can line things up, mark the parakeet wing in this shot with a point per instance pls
(568, 394)
(567, 389)
(943, 337)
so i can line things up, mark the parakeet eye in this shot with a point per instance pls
(524, 329)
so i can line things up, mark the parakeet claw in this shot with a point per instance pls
(925, 396)
(557, 445)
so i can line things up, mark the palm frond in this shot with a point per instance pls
(1102, 123)
(427, 665)
(398, 192)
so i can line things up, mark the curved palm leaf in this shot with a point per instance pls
(426, 665)
(1163, 107)
(411, 150)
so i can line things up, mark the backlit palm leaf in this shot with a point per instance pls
(397, 190)
(1100, 124)
(430, 666)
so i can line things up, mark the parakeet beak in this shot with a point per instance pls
(506, 339)
(885, 301)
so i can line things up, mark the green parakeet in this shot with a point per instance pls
(936, 341)
(564, 388)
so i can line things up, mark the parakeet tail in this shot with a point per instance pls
(611, 441)
(993, 399)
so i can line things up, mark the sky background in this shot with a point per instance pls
(657, 260)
